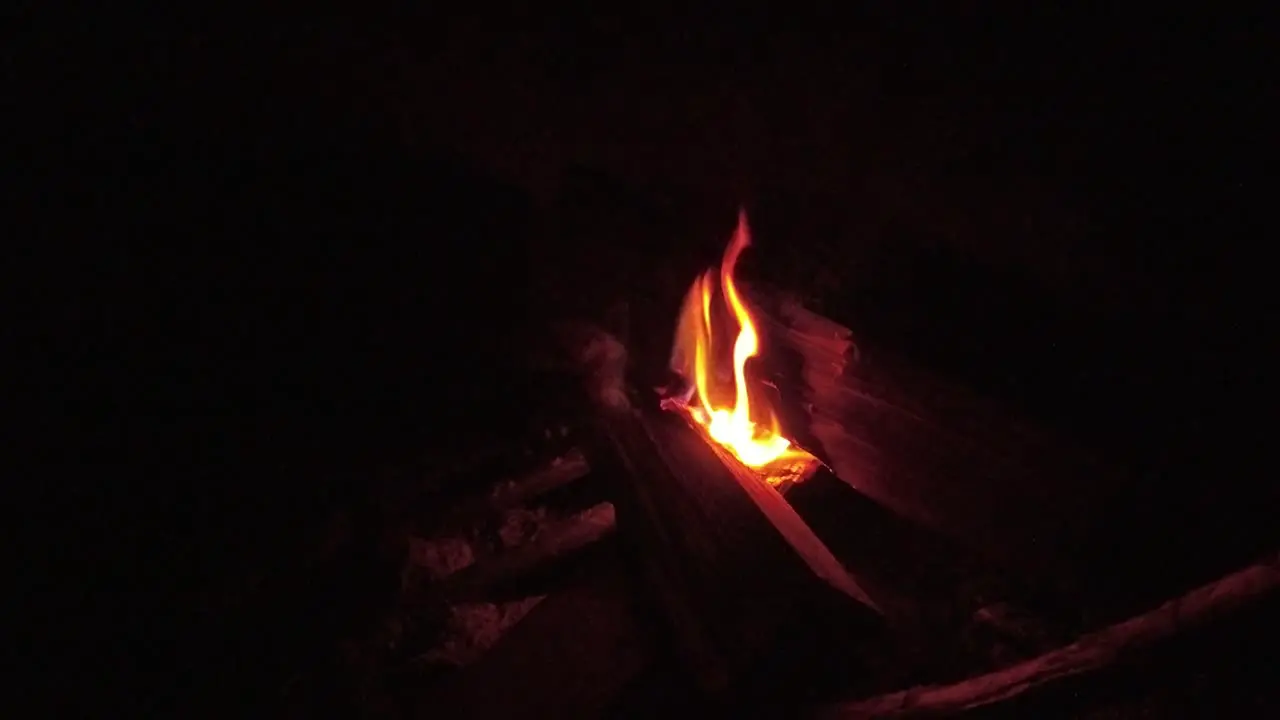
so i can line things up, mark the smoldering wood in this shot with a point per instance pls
(516, 570)
(1091, 653)
(732, 566)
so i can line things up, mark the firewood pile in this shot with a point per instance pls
(629, 568)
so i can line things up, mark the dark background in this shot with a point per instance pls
(279, 248)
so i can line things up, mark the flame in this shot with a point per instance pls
(735, 426)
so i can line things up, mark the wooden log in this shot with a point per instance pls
(734, 569)
(928, 449)
(1091, 653)
(514, 570)
(563, 470)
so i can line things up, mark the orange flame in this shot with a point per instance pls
(733, 426)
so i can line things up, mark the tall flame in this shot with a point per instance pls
(733, 426)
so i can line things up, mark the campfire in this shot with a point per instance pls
(654, 552)
(719, 397)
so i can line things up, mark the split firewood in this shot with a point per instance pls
(608, 391)
(1091, 653)
(552, 547)
(733, 567)
(928, 449)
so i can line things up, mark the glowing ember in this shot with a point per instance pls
(745, 426)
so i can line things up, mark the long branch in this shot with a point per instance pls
(1091, 652)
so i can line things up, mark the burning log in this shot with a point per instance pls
(1091, 653)
(693, 491)
(734, 568)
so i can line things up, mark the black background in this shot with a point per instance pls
(273, 248)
